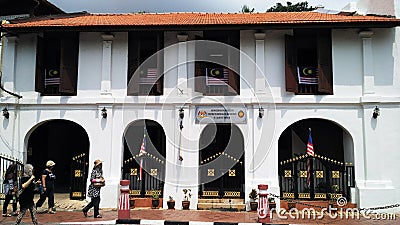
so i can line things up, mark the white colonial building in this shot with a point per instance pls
(225, 103)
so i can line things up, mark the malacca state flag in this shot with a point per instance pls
(142, 151)
(310, 151)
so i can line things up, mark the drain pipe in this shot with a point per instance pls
(8, 92)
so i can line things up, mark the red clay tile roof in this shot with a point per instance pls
(191, 19)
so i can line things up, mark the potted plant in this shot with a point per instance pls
(171, 203)
(271, 203)
(186, 198)
(291, 204)
(334, 196)
(253, 200)
(155, 201)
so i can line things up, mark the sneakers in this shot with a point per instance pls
(6, 215)
(98, 216)
(51, 212)
(84, 212)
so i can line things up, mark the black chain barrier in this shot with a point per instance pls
(318, 206)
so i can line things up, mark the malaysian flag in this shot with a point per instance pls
(310, 151)
(307, 75)
(142, 152)
(150, 77)
(52, 78)
(217, 76)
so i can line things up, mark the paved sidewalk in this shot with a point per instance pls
(69, 211)
(149, 216)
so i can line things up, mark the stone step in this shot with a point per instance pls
(221, 206)
(222, 200)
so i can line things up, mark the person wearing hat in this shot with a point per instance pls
(96, 182)
(48, 180)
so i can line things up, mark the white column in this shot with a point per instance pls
(260, 62)
(10, 54)
(106, 64)
(368, 76)
(182, 65)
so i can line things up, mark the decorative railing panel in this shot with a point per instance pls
(324, 178)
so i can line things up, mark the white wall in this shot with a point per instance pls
(376, 176)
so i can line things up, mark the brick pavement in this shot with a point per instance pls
(182, 215)
(70, 211)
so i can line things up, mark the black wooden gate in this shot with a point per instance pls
(229, 181)
(152, 175)
(79, 168)
(329, 178)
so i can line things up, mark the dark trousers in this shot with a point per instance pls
(49, 193)
(95, 202)
(7, 201)
(22, 212)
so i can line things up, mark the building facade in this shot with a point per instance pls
(218, 103)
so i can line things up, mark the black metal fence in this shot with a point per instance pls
(324, 178)
(79, 167)
(153, 174)
(5, 162)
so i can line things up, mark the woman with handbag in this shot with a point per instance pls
(48, 180)
(10, 190)
(26, 195)
(96, 182)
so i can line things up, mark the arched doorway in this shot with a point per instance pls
(221, 162)
(326, 176)
(67, 144)
(147, 136)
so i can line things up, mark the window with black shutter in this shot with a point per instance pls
(308, 62)
(57, 64)
(145, 70)
(218, 75)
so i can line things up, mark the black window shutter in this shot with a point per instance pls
(160, 64)
(234, 83)
(325, 75)
(290, 65)
(40, 70)
(133, 64)
(133, 85)
(199, 77)
(69, 65)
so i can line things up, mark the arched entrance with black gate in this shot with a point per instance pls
(144, 147)
(329, 174)
(221, 162)
(67, 144)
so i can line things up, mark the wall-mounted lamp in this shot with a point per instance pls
(181, 113)
(6, 114)
(261, 112)
(376, 112)
(104, 112)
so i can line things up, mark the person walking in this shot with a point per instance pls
(26, 197)
(10, 190)
(48, 180)
(96, 182)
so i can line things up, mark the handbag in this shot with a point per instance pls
(98, 183)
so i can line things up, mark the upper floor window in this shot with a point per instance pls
(308, 62)
(217, 74)
(57, 63)
(145, 70)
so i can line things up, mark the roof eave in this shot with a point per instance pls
(267, 26)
